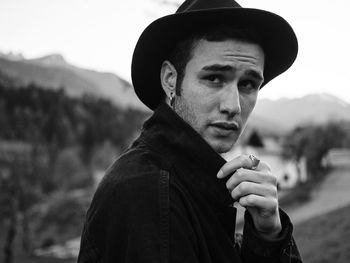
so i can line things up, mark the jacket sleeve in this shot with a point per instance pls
(280, 250)
(125, 222)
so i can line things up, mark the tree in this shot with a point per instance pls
(255, 140)
(18, 187)
(62, 134)
(314, 142)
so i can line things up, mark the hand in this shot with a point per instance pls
(256, 190)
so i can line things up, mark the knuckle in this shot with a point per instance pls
(243, 201)
(250, 199)
(242, 187)
(271, 191)
(233, 194)
(231, 182)
(273, 204)
(240, 173)
(271, 178)
(274, 192)
(243, 158)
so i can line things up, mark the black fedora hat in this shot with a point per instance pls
(277, 38)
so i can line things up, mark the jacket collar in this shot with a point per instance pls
(171, 136)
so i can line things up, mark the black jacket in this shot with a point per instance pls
(161, 202)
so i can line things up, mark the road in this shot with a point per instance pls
(333, 193)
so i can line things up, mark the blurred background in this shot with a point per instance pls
(68, 110)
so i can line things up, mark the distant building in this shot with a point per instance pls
(337, 157)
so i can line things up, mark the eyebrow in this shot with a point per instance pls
(218, 67)
(255, 74)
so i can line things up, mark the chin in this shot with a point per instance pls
(221, 144)
(221, 147)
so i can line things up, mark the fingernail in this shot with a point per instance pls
(220, 174)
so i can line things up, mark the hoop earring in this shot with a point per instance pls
(172, 99)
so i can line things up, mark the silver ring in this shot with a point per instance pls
(255, 161)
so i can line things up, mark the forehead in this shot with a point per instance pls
(230, 51)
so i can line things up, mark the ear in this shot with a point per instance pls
(168, 77)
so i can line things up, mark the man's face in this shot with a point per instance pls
(219, 90)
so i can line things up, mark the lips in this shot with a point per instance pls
(230, 126)
(224, 129)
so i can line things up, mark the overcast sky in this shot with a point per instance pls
(101, 35)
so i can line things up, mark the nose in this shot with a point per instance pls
(230, 101)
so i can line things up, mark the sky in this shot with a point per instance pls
(101, 35)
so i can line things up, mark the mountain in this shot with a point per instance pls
(310, 109)
(54, 71)
(269, 116)
(265, 126)
(11, 56)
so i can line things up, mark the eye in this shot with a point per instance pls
(214, 78)
(248, 85)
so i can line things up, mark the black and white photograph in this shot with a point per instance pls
(182, 131)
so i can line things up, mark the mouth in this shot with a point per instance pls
(225, 128)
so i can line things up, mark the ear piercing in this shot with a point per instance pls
(172, 99)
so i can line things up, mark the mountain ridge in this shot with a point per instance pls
(53, 71)
(313, 108)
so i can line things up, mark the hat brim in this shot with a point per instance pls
(278, 41)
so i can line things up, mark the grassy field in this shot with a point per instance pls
(325, 238)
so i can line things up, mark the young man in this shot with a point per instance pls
(169, 197)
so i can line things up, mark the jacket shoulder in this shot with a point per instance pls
(138, 168)
(125, 205)
(136, 162)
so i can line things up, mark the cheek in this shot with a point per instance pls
(247, 105)
(200, 99)
(206, 105)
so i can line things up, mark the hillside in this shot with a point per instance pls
(265, 125)
(54, 72)
(269, 116)
(313, 108)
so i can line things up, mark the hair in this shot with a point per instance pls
(183, 51)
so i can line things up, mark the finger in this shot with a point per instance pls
(263, 167)
(265, 204)
(247, 188)
(242, 161)
(236, 163)
(244, 175)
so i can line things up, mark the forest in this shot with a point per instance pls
(50, 147)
